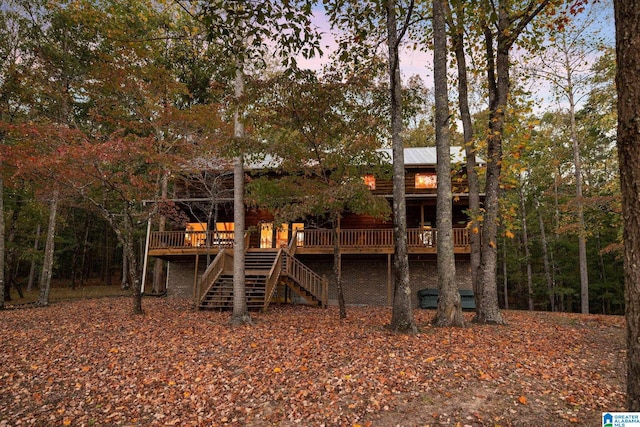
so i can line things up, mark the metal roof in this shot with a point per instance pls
(413, 156)
(420, 156)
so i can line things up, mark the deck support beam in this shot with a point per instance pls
(196, 293)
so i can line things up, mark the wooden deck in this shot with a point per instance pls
(309, 241)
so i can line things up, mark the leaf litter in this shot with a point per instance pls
(92, 362)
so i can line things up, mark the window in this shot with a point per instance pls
(426, 180)
(224, 233)
(195, 234)
(266, 235)
(297, 229)
(282, 236)
(370, 181)
(224, 226)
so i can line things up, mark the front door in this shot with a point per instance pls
(266, 235)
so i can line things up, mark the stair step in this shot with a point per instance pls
(258, 265)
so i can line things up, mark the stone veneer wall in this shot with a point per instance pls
(364, 278)
(180, 279)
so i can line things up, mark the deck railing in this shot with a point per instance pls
(310, 280)
(272, 278)
(323, 238)
(223, 261)
(190, 239)
(308, 238)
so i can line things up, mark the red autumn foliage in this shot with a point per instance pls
(93, 363)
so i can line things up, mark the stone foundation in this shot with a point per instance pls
(366, 281)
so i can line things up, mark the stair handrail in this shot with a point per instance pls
(272, 278)
(308, 279)
(247, 241)
(325, 292)
(213, 271)
(293, 245)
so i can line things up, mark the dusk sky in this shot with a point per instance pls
(414, 62)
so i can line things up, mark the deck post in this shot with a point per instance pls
(145, 262)
(389, 288)
(196, 293)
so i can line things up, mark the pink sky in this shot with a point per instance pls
(411, 62)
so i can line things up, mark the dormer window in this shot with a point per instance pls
(370, 181)
(426, 180)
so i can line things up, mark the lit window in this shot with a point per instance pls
(266, 235)
(282, 236)
(224, 233)
(195, 234)
(370, 181)
(426, 180)
(297, 229)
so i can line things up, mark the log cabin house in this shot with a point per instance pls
(294, 262)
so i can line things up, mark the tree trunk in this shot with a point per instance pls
(498, 79)
(240, 313)
(570, 91)
(125, 271)
(527, 253)
(545, 259)
(2, 248)
(505, 276)
(337, 270)
(34, 263)
(83, 256)
(449, 311)
(582, 241)
(79, 254)
(47, 264)
(470, 152)
(133, 272)
(158, 286)
(507, 29)
(627, 15)
(402, 312)
(11, 263)
(108, 258)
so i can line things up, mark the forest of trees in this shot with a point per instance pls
(102, 102)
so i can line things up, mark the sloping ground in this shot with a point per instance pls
(93, 363)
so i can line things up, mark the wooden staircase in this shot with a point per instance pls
(264, 269)
(303, 281)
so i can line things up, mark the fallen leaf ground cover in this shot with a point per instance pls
(62, 291)
(92, 362)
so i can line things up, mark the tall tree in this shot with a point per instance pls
(2, 247)
(325, 131)
(13, 61)
(525, 244)
(565, 64)
(548, 275)
(402, 314)
(240, 311)
(627, 15)
(456, 19)
(47, 265)
(52, 75)
(501, 27)
(449, 305)
(108, 105)
(249, 33)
